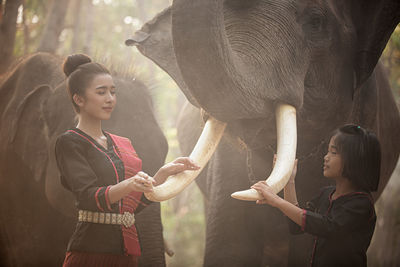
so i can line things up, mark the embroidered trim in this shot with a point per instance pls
(96, 196)
(313, 251)
(108, 198)
(116, 150)
(352, 193)
(121, 148)
(127, 219)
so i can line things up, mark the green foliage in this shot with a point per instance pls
(34, 13)
(391, 60)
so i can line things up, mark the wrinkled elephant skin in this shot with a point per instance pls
(237, 60)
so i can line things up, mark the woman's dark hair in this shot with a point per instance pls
(80, 71)
(361, 155)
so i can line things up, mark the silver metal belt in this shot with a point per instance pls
(127, 219)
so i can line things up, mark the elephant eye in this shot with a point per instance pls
(314, 20)
(315, 23)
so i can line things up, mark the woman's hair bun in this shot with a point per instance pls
(72, 62)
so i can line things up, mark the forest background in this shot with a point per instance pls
(99, 28)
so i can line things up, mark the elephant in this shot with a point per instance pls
(37, 214)
(240, 60)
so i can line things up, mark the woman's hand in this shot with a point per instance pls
(177, 166)
(265, 190)
(141, 182)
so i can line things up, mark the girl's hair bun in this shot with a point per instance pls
(72, 62)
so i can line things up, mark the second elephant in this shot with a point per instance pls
(37, 213)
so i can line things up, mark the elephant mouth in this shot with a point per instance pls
(286, 132)
(208, 142)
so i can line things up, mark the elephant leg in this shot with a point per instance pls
(148, 223)
(240, 233)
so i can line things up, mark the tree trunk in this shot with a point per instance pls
(26, 29)
(8, 28)
(1, 10)
(90, 13)
(76, 36)
(54, 26)
(385, 245)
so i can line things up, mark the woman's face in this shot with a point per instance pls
(333, 164)
(99, 99)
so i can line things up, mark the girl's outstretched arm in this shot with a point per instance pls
(272, 199)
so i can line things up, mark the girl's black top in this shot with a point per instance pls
(342, 228)
(86, 171)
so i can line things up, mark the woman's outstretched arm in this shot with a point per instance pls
(142, 182)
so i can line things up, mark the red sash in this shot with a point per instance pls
(132, 165)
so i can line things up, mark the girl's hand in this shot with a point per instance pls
(265, 190)
(177, 166)
(141, 182)
(294, 171)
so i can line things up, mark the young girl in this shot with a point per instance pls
(103, 171)
(342, 218)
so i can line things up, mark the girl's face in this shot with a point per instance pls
(333, 164)
(99, 100)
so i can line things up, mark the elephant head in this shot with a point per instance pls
(240, 61)
(38, 214)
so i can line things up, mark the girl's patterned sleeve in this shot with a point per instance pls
(311, 205)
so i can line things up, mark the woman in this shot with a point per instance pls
(103, 171)
(342, 218)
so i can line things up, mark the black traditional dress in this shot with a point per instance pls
(342, 228)
(88, 170)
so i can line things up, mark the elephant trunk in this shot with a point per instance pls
(212, 65)
(232, 57)
(286, 153)
(202, 152)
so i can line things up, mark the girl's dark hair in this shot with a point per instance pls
(361, 155)
(80, 71)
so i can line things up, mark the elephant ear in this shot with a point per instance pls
(154, 40)
(375, 20)
(28, 133)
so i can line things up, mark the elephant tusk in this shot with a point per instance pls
(201, 154)
(286, 154)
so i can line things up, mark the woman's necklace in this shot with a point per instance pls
(102, 140)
